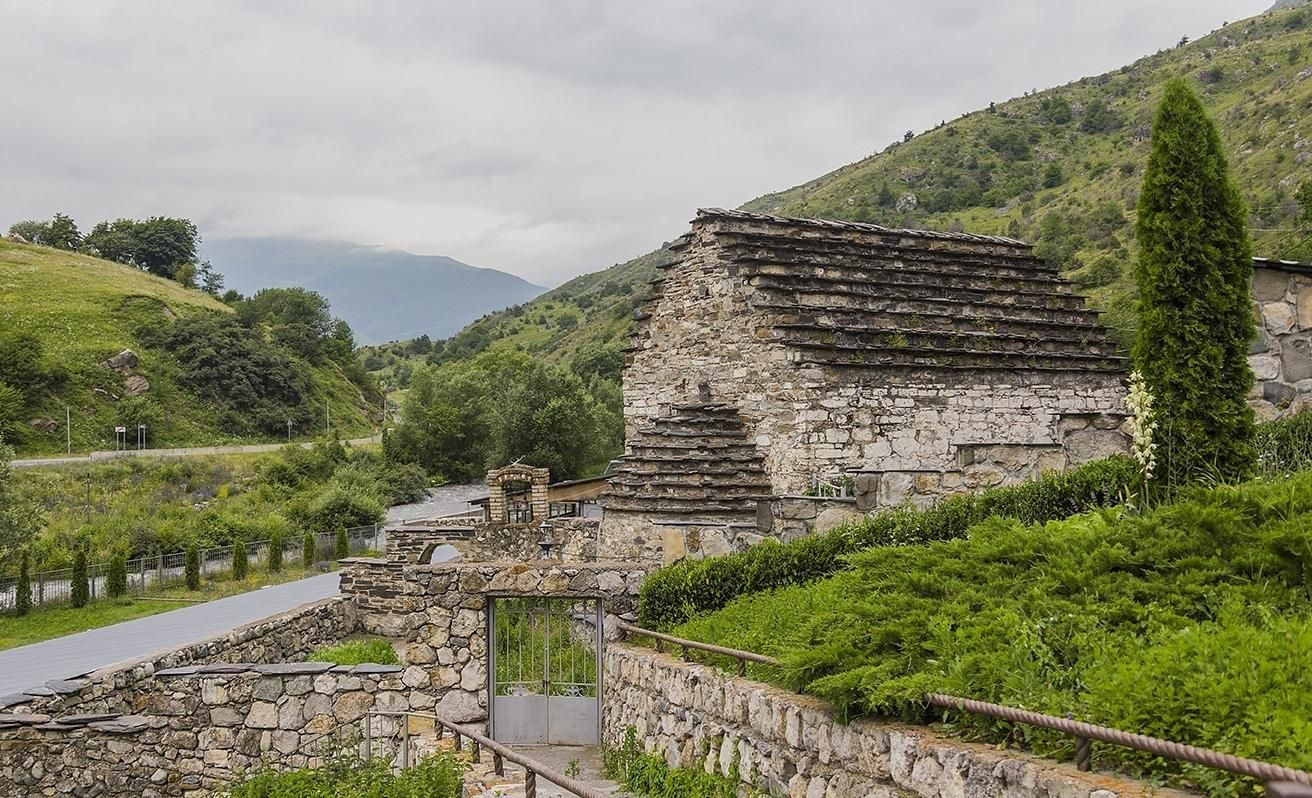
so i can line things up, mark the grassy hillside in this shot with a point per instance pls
(1060, 168)
(83, 310)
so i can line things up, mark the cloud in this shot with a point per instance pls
(545, 139)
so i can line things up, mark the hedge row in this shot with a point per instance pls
(677, 592)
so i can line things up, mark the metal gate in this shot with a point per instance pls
(545, 671)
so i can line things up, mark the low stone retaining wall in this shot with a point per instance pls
(788, 744)
(195, 729)
(279, 638)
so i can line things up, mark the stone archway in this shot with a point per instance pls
(497, 482)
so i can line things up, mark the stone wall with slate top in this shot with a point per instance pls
(284, 637)
(788, 744)
(1281, 352)
(194, 729)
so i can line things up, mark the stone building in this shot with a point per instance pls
(777, 352)
(1281, 354)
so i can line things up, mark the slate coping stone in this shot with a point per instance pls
(225, 667)
(124, 724)
(55, 726)
(65, 686)
(89, 717)
(367, 668)
(14, 699)
(341, 669)
(187, 670)
(40, 692)
(293, 668)
(17, 719)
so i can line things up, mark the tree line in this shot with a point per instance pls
(164, 246)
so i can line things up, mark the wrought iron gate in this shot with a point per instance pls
(544, 668)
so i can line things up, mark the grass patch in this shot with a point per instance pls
(440, 775)
(59, 621)
(356, 652)
(1190, 622)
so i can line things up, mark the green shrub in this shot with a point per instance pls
(338, 505)
(275, 553)
(241, 561)
(1285, 446)
(648, 775)
(677, 592)
(192, 567)
(440, 775)
(343, 543)
(23, 591)
(307, 550)
(80, 590)
(116, 582)
(1190, 622)
(356, 652)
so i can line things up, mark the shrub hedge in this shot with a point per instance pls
(677, 592)
(1191, 621)
(439, 775)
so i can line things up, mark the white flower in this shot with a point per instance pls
(1142, 425)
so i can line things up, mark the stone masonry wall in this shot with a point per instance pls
(788, 744)
(283, 637)
(1281, 353)
(441, 611)
(195, 729)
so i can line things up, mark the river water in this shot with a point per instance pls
(446, 500)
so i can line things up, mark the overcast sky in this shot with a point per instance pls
(543, 137)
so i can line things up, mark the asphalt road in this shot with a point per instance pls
(81, 653)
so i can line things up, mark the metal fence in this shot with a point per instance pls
(160, 571)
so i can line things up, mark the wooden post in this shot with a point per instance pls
(530, 784)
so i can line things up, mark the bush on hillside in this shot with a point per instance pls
(339, 506)
(677, 592)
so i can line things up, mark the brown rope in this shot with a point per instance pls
(1264, 771)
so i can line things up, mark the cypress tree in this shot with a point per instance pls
(275, 553)
(23, 596)
(192, 567)
(1196, 318)
(80, 590)
(343, 543)
(116, 584)
(307, 549)
(240, 559)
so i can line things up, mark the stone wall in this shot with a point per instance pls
(195, 729)
(1281, 353)
(787, 744)
(284, 637)
(489, 541)
(441, 612)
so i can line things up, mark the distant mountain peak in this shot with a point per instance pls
(384, 294)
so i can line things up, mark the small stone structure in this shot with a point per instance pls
(777, 352)
(1281, 353)
(537, 479)
(696, 716)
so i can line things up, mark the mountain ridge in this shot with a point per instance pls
(384, 294)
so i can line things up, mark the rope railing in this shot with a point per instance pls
(500, 753)
(686, 646)
(1280, 781)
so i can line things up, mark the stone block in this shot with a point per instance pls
(1265, 367)
(1296, 360)
(1278, 317)
(835, 517)
(1305, 308)
(1269, 284)
(262, 715)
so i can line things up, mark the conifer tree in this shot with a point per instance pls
(23, 596)
(80, 590)
(192, 567)
(240, 559)
(116, 584)
(1196, 318)
(275, 553)
(343, 542)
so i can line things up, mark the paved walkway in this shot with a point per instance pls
(81, 653)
